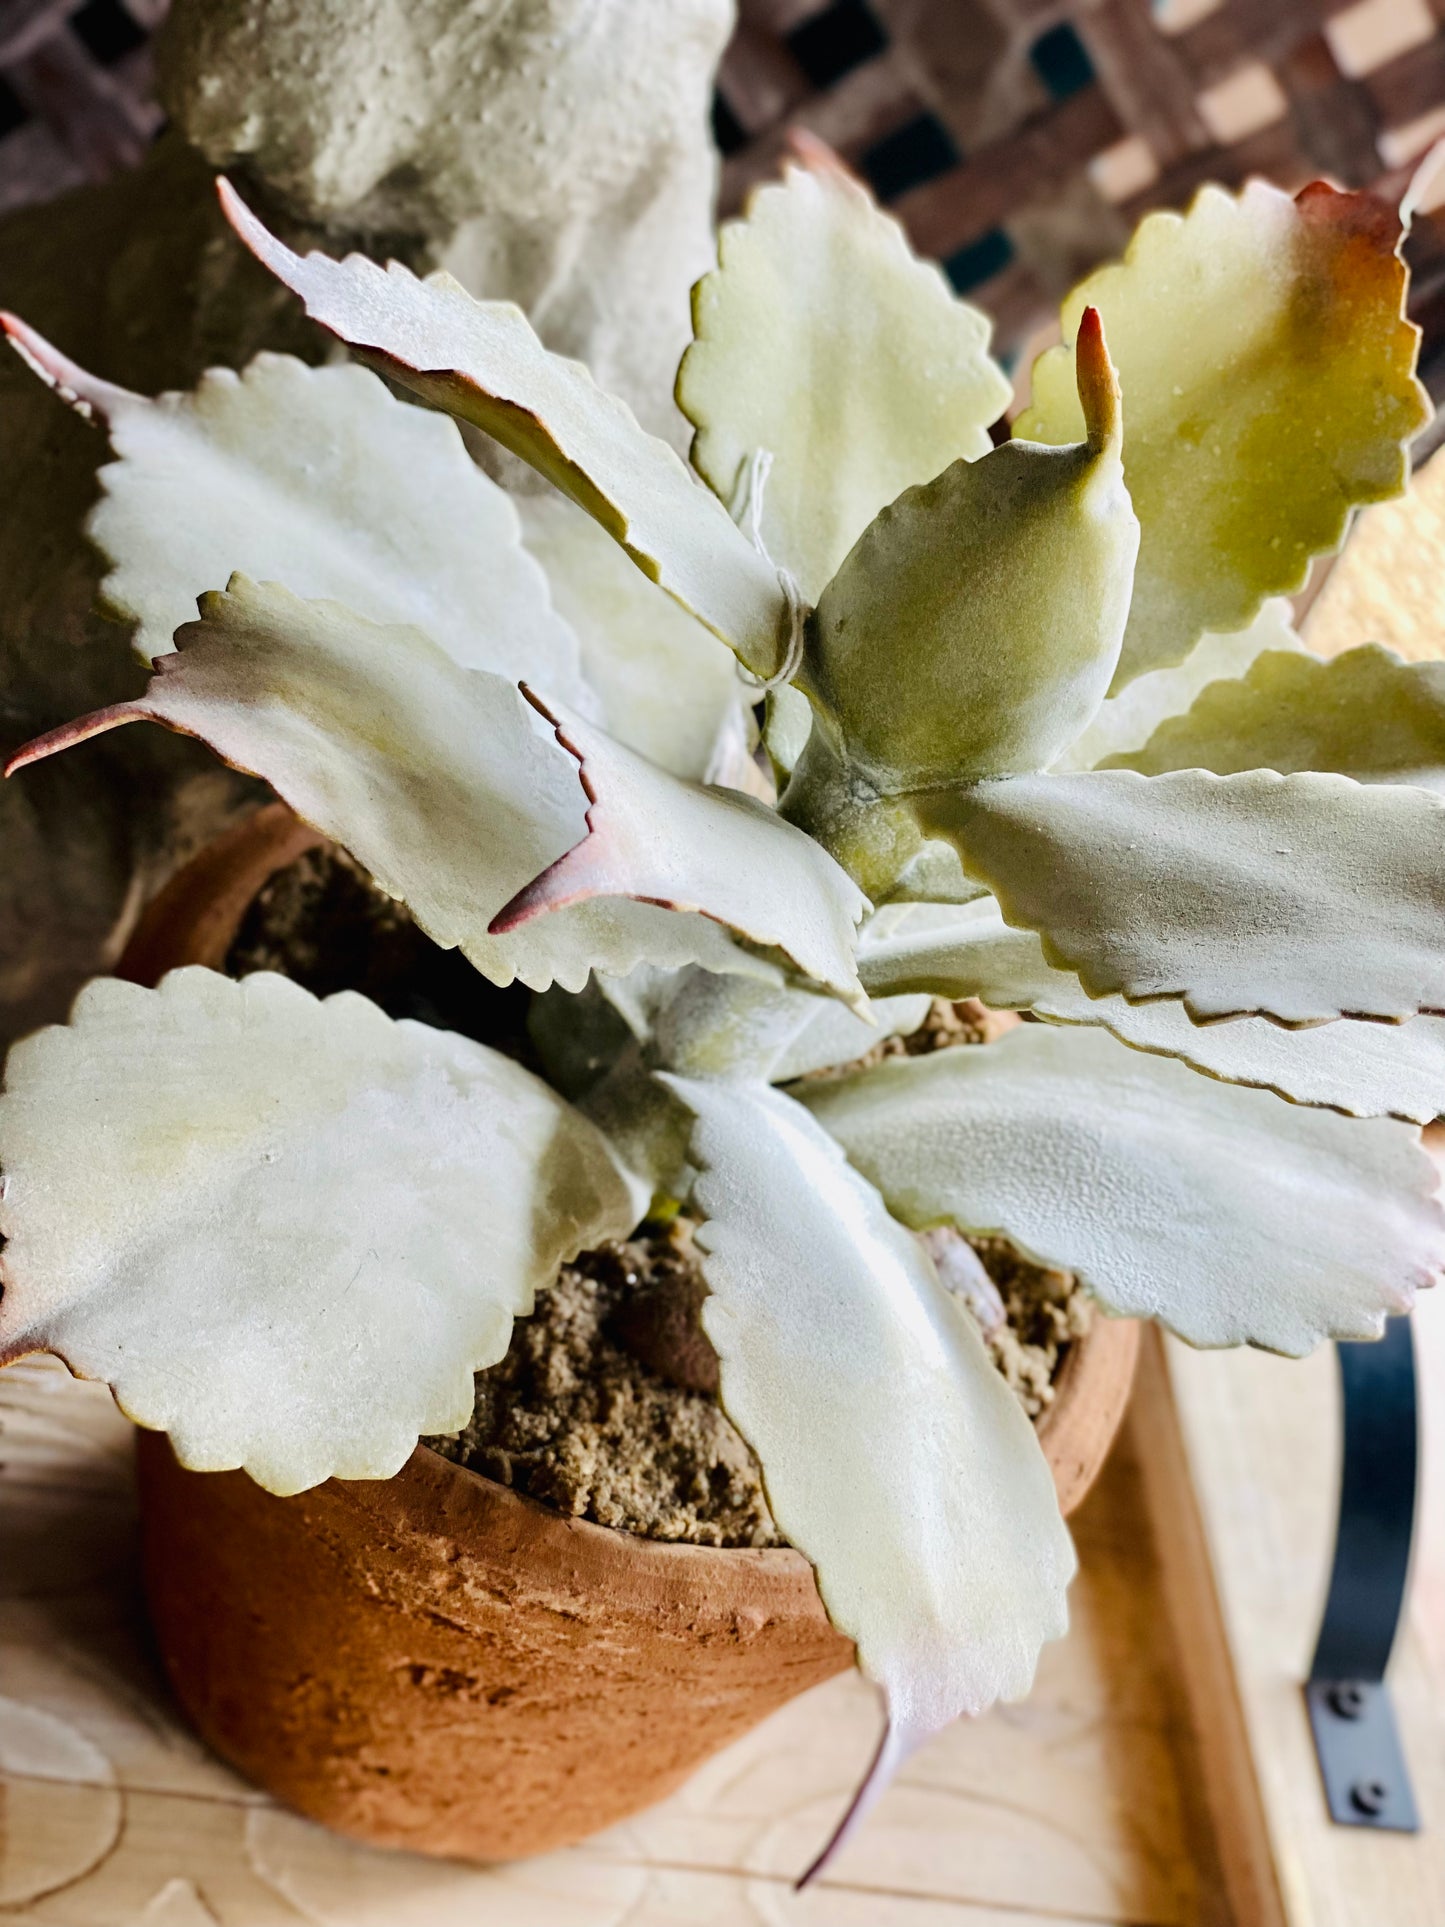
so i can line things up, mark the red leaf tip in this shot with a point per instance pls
(69, 734)
(1098, 383)
(894, 1748)
(811, 151)
(87, 394)
(253, 233)
(558, 884)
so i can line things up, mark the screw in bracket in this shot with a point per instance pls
(1347, 1699)
(1369, 1797)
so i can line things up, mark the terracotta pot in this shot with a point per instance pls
(433, 1662)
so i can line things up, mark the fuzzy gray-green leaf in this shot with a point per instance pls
(974, 627)
(1232, 1217)
(1364, 1070)
(866, 1391)
(1303, 897)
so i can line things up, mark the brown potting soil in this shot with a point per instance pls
(573, 1417)
(322, 922)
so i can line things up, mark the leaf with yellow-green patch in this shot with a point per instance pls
(1269, 388)
(1365, 714)
(1127, 721)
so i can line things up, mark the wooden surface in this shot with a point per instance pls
(1160, 1776)
(1262, 1439)
(1078, 1808)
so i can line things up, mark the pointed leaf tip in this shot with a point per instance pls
(68, 735)
(807, 149)
(895, 1745)
(257, 237)
(565, 880)
(1098, 382)
(685, 846)
(87, 394)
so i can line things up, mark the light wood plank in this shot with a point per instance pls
(1190, 1596)
(1262, 1438)
(263, 1868)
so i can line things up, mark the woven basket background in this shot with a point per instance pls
(1018, 140)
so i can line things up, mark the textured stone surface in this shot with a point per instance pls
(553, 152)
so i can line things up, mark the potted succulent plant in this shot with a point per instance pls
(1042, 736)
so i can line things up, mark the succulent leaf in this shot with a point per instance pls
(320, 479)
(669, 688)
(1364, 1070)
(481, 360)
(1127, 721)
(973, 629)
(935, 875)
(822, 340)
(286, 1232)
(712, 1026)
(685, 847)
(1269, 388)
(1232, 1217)
(646, 1126)
(789, 725)
(1365, 714)
(1302, 898)
(893, 1453)
(441, 780)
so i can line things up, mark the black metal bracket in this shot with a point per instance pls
(1367, 1782)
